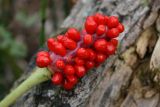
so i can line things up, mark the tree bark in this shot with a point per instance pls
(131, 78)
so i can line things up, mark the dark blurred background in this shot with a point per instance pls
(24, 26)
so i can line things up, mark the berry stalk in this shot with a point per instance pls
(40, 75)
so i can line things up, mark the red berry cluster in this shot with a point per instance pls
(72, 54)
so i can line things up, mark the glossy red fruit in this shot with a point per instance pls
(68, 85)
(57, 78)
(60, 64)
(60, 38)
(88, 39)
(56, 47)
(90, 26)
(101, 29)
(73, 34)
(92, 54)
(69, 70)
(82, 53)
(69, 43)
(72, 79)
(112, 33)
(43, 53)
(90, 64)
(80, 71)
(99, 18)
(100, 45)
(90, 18)
(120, 27)
(112, 22)
(110, 48)
(79, 61)
(100, 57)
(50, 43)
(106, 19)
(59, 49)
(114, 42)
(43, 61)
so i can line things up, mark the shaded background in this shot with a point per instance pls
(24, 26)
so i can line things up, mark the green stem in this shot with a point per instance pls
(43, 19)
(40, 75)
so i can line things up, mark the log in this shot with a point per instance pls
(125, 79)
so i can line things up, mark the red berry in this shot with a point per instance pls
(60, 64)
(110, 48)
(88, 39)
(112, 22)
(114, 42)
(56, 47)
(92, 54)
(101, 29)
(120, 27)
(90, 18)
(72, 79)
(69, 70)
(43, 53)
(112, 33)
(43, 61)
(60, 38)
(90, 26)
(60, 49)
(99, 18)
(57, 78)
(50, 43)
(69, 43)
(80, 71)
(68, 85)
(100, 57)
(106, 19)
(100, 45)
(82, 53)
(79, 61)
(90, 64)
(73, 34)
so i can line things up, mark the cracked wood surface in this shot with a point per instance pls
(120, 81)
